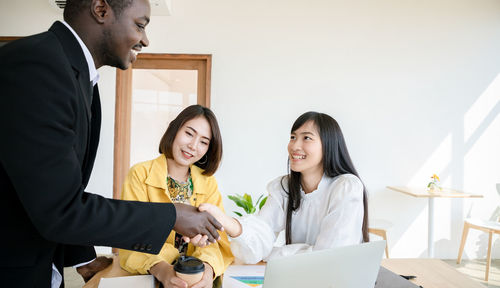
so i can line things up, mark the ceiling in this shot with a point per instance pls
(158, 7)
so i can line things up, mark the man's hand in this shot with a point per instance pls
(89, 270)
(231, 225)
(191, 222)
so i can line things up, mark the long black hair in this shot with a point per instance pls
(336, 161)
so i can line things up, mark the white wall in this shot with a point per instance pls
(413, 85)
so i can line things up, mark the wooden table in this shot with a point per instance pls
(114, 270)
(424, 193)
(431, 273)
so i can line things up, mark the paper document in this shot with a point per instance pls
(140, 281)
(244, 276)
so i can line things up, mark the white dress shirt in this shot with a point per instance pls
(94, 77)
(330, 216)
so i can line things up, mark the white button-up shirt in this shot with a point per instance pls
(331, 216)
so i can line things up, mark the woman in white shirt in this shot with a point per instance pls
(320, 204)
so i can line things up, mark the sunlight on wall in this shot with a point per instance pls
(477, 156)
(412, 243)
(481, 108)
(482, 156)
(437, 162)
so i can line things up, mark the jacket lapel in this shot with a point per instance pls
(158, 174)
(157, 177)
(93, 140)
(77, 59)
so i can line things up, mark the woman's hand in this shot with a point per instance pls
(207, 279)
(230, 225)
(198, 240)
(214, 211)
(165, 273)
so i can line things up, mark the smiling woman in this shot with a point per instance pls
(320, 204)
(191, 150)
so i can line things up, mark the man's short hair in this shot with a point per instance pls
(74, 7)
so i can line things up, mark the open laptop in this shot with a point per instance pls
(354, 266)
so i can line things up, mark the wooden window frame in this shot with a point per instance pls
(123, 108)
(9, 38)
(6, 39)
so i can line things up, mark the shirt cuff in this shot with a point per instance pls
(82, 264)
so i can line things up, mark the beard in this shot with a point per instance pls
(108, 51)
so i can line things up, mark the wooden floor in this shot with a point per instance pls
(475, 270)
(472, 268)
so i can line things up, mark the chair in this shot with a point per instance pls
(490, 227)
(382, 233)
(379, 227)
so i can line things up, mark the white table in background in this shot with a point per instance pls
(423, 193)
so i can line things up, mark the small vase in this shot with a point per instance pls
(432, 188)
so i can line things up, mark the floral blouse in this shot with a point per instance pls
(180, 192)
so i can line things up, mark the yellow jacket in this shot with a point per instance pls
(147, 182)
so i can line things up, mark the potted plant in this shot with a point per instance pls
(434, 184)
(246, 203)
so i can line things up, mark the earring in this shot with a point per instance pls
(204, 162)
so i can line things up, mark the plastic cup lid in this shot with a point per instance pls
(189, 265)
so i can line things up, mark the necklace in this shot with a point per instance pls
(179, 191)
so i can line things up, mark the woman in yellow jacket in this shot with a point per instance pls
(191, 151)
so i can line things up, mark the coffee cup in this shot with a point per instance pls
(189, 269)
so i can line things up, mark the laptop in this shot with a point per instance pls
(354, 266)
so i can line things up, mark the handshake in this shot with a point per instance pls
(199, 225)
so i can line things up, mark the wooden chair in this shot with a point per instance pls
(490, 227)
(379, 227)
(382, 233)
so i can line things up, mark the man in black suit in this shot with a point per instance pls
(50, 121)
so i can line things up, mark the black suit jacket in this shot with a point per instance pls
(49, 127)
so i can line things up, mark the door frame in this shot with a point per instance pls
(123, 107)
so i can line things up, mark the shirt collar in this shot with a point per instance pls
(93, 74)
(157, 176)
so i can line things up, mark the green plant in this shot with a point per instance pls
(246, 203)
(434, 184)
